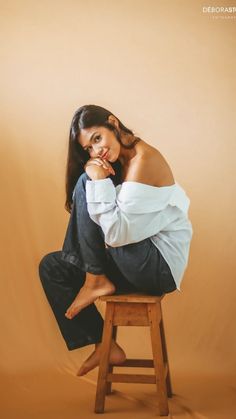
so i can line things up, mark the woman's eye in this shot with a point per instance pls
(96, 140)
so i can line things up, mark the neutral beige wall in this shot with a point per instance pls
(168, 72)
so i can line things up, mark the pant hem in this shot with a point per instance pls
(79, 344)
(71, 258)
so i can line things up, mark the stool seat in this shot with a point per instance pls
(134, 309)
(132, 298)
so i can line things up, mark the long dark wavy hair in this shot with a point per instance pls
(88, 116)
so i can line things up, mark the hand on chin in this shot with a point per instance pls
(98, 168)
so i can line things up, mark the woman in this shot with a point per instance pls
(128, 230)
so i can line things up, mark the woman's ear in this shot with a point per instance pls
(112, 119)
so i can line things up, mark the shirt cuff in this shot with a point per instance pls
(102, 190)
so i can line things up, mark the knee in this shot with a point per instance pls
(46, 264)
(81, 182)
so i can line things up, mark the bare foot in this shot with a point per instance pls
(95, 286)
(117, 357)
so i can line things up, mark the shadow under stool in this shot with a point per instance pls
(134, 309)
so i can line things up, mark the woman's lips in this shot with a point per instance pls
(105, 155)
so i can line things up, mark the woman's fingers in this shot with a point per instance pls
(100, 162)
(107, 165)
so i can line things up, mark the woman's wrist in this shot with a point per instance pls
(97, 177)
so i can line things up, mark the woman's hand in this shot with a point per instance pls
(98, 168)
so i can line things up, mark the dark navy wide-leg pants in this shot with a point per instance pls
(133, 267)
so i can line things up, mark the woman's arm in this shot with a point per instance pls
(128, 220)
(136, 212)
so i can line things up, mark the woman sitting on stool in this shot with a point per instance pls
(128, 230)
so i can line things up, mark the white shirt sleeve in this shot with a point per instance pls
(132, 214)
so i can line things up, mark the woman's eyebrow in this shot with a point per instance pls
(84, 147)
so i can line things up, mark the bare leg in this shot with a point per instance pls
(117, 357)
(95, 286)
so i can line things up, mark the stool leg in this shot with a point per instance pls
(110, 368)
(165, 356)
(154, 315)
(104, 361)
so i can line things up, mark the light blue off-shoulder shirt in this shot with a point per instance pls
(133, 211)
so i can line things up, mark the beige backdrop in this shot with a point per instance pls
(167, 70)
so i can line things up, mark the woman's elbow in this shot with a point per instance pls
(113, 242)
(114, 239)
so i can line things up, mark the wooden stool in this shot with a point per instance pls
(134, 310)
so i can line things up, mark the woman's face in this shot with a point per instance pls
(100, 142)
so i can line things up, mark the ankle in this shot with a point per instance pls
(98, 344)
(94, 276)
(95, 279)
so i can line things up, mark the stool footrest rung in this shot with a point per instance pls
(131, 378)
(134, 378)
(145, 363)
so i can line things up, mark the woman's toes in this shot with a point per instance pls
(86, 296)
(82, 371)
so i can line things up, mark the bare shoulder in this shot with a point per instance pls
(149, 166)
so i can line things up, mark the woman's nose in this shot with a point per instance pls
(98, 150)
